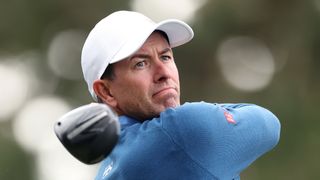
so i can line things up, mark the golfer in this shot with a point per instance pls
(128, 64)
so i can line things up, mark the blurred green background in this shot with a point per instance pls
(256, 51)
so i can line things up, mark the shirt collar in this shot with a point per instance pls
(126, 121)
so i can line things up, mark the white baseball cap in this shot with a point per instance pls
(119, 36)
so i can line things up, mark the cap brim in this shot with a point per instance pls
(177, 31)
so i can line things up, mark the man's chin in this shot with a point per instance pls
(170, 103)
(158, 109)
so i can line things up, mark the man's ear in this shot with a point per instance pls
(102, 90)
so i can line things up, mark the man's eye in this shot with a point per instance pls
(140, 64)
(166, 58)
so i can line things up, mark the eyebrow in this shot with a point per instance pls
(166, 50)
(147, 56)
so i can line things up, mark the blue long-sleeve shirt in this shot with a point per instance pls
(193, 141)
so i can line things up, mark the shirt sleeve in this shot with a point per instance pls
(222, 138)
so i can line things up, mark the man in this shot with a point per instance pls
(128, 64)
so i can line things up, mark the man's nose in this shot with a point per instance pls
(161, 71)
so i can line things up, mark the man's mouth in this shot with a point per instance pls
(164, 91)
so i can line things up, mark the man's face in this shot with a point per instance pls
(147, 82)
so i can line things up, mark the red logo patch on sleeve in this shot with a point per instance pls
(229, 117)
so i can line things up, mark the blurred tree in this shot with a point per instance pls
(15, 164)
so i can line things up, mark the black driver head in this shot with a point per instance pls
(89, 132)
